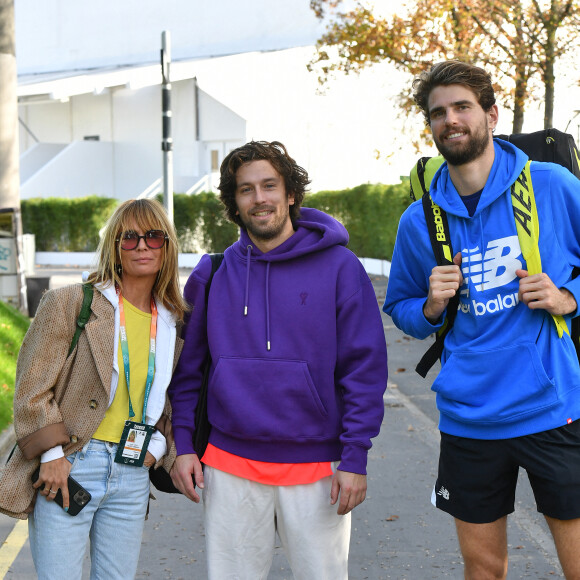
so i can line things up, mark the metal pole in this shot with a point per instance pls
(167, 141)
(9, 154)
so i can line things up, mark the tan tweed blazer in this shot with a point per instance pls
(59, 400)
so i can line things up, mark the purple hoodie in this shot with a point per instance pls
(299, 361)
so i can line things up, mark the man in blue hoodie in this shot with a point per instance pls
(508, 391)
(299, 368)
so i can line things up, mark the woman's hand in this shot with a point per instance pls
(54, 475)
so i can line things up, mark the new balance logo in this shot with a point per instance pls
(496, 268)
(495, 305)
(444, 493)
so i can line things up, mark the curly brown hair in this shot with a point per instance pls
(453, 72)
(295, 177)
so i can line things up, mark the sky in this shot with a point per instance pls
(343, 138)
(356, 132)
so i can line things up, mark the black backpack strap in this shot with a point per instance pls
(435, 351)
(202, 424)
(84, 315)
(417, 179)
(438, 231)
(216, 262)
(159, 477)
(441, 243)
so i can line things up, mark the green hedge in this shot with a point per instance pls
(66, 225)
(200, 223)
(370, 213)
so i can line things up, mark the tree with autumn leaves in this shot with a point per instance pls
(518, 41)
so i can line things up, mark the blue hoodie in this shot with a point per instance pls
(505, 373)
(299, 361)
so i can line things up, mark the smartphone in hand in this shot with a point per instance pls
(79, 497)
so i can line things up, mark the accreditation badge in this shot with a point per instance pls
(134, 442)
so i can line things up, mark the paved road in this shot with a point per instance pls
(396, 533)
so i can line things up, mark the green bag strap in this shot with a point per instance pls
(575, 157)
(84, 315)
(528, 227)
(422, 174)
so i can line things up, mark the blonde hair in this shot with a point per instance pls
(146, 214)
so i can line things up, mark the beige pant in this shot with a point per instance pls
(242, 518)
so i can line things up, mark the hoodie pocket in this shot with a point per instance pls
(265, 399)
(494, 385)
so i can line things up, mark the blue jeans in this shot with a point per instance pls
(113, 520)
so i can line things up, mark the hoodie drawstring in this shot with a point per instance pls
(481, 243)
(249, 249)
(267, 306)
(248, 256)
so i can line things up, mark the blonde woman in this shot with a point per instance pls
(73, 413)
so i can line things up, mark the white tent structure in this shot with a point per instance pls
(100, 132)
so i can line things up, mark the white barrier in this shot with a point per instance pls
(376, 267)
(88, 260)
(77, 259)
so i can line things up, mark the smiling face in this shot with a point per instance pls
(461, 129)
(263, 205)
(142, 261)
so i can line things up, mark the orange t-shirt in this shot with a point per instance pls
(265, 472)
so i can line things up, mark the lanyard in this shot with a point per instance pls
(125, 352)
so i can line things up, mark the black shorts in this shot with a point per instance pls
(477, 478)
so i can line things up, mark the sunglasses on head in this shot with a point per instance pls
(154, 239)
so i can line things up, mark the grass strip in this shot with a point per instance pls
(13, 327)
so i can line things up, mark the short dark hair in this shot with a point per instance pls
(453, 72)
(295, 177)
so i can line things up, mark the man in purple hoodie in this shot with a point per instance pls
(299, 368)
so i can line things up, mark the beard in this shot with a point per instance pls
(269, 231)
(474, 148)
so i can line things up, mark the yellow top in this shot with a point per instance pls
(138, 325)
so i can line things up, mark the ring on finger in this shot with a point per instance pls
(53, 491)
